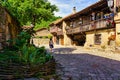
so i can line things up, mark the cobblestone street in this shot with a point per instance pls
(81, 64)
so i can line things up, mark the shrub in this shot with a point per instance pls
(24, 52)
(103, 47)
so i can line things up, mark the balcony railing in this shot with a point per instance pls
(57, 30)
(60, 31)
(53, 29)
(94, 25)
(73, 30)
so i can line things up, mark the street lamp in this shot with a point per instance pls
(110, 4)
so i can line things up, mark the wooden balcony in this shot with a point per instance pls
(59, 31)
(94, 25)
(85, 27)
(53, 29)
(73, 30)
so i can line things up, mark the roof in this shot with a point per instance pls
(26, 27)
(41, 29)
(42, 32)
(56, 22)
(80, 12)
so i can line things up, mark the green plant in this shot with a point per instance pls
(25, 11)
(49, 36)
(25, 55)
(24, 52)
(103, 47)
(33, 56)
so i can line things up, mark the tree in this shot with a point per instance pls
(30, 11)
(45, 24)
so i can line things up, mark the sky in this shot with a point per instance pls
(65, 6)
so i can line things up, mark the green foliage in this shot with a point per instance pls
(34, 56)
(103, 46)
(45, 24)
(7, 56)
(27, 11)
(25, 53)
(22, 38)
(49, 36)
(24, 56)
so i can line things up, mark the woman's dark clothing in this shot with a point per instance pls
(51, 44)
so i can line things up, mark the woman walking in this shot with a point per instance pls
(51, 44)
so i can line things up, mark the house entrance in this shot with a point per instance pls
(79, 40)
(62, 40)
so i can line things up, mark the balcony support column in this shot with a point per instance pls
(67, 40)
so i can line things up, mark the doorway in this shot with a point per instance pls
(79, 39)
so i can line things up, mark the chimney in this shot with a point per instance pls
(74, 10)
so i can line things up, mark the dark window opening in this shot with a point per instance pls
(97, 39)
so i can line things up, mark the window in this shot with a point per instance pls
(74, 24)
(71, 24)
(93, 16)
(118, 3)
(98, 39)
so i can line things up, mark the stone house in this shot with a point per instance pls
(8, 28)
(41, 37)
(94, 26)
(57, 31)
(117, 21)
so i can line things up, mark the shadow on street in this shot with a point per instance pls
(63, 50)
(89, 67)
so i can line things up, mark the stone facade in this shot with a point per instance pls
(67, 40)
(41, 37)
(104, 38)
(58, 31)
(8, 28)
(117, 21)
(89, 27)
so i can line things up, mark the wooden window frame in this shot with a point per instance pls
(97, 39)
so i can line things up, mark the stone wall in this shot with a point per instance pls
(40, 41)
(67, 40)
(105, 34)
(41, 37)
(42, 32)
(117, 21)
(118, 34)
(8, 28)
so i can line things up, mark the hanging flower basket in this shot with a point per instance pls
(112, 37)
(109, 23)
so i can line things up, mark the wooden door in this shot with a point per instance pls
(62, 40)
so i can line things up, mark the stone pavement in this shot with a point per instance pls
(77, 63)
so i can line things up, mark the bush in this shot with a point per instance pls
(103, 47)
(25, 53)
(23, 57)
